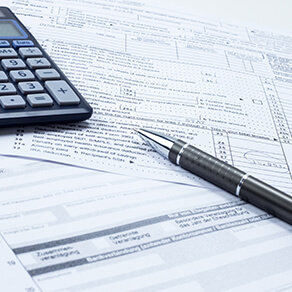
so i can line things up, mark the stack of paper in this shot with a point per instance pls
(132, 221)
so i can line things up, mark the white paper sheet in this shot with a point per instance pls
(224, 88)
(69, 229)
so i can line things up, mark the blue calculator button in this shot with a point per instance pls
(24, 43)
(4, 44)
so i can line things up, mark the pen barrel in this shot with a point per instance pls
(232, 180)
(206, 166)
(267, 198)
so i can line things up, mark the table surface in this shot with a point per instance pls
(274, 15)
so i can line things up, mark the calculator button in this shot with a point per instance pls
(30, 87)
(62, 92)
(47, 74)
(30, 52)
(38, 63)
(4, 44)
(12, 101)
(7, 88)
(24, 43)
(3, 77)
(39, 100)
(7, 53)
(21, 75)
(9, 64)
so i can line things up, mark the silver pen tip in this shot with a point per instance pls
(137, 130)
(160, 142)
(142, 131)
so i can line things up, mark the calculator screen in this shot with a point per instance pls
(8, 29)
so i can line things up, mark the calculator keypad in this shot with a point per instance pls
(7, 88)
(47, 74)
(12, 101)
(9, 64)
(30, 52)
(4, 44)
(39, 100)
(8, 53)
(21, 75)
(22, 43)
(38, 63)
(30, 87)
(33, 90)
(3, 77)
(33, 82)
(62, 92)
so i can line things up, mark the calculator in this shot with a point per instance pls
(33, 89)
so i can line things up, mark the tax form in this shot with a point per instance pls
(224, 88)
(71, 229)
(67, 229)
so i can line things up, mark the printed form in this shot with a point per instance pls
(94, 231)
(225, 88)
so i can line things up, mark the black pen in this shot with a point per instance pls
(221, 174)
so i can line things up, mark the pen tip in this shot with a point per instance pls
(137, 130)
